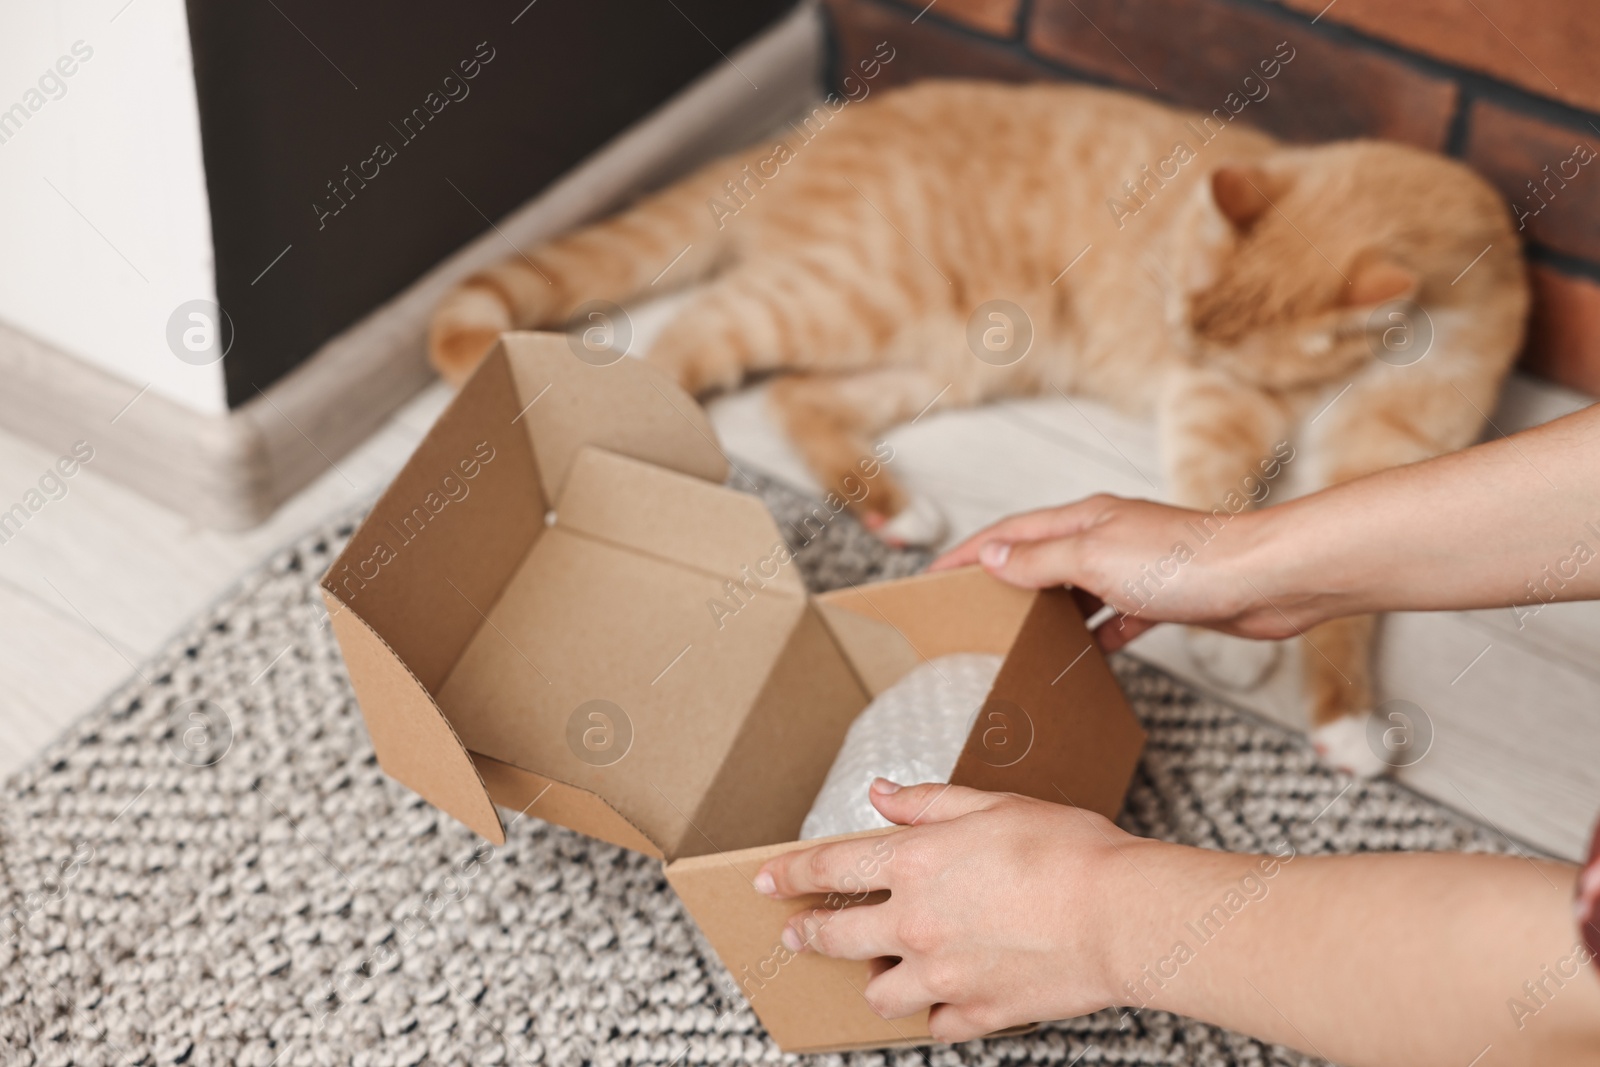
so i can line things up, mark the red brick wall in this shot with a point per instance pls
(1546, 47)
(1510, 86)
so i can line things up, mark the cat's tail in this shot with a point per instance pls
(666, 241)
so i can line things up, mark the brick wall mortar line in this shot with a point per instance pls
(1455, 138)
(972, 33)
(1024, 19)
(1471, 82)
(1563, 262)
(1016, 47)
(911, 7)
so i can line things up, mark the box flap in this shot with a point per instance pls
(567, 805)
(1056, 725)
(411, 587)
(806, 1001)
(886, 628)
(879, 654)
(784, 748)
(964, 610)
(672, 516)
(414, 742)
(435, 550)
(627, 407)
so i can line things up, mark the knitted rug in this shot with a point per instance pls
(212, 869)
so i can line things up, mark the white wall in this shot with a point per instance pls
(121, 146)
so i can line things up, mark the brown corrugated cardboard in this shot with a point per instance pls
(530, 620)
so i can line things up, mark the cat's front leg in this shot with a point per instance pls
(1337, 669)
(1223, 444)
(1388, 416)
(833, 420)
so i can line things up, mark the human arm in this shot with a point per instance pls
(1005, 910)
(1514, 521)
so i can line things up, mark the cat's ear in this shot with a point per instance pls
(1242, 194)
(1378, 280)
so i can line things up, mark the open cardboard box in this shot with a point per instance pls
(526, 619)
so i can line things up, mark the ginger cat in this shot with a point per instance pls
(1234, 287)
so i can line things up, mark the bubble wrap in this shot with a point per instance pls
(911, 732)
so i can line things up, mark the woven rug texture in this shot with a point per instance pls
(211, 869)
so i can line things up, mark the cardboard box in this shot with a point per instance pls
(527, 616)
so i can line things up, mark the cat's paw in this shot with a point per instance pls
(1232, 662)
(1345, 744)
(920, 524)
(699, 367)
(463, 330)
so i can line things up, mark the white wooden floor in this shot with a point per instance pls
(99, 580)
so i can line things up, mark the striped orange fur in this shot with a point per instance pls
(1221, 281)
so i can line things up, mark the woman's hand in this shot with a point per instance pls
(1000, 908)
(1510, 522)
(1005, 910)
(1151, 562)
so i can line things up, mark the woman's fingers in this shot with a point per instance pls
(852, 867)
(857, 933)
(1117, 632)
(914, 805)
(1035, 564)
(906, 989)
(954, 1023)
(1028, 526)
(863, 864)
(1039, 550)
(1007, 529)
(898, 992)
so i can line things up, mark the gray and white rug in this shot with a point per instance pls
(211, 869)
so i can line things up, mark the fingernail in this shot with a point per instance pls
(883, 787)
(791, 939)
(994, 554)
(765, 884)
